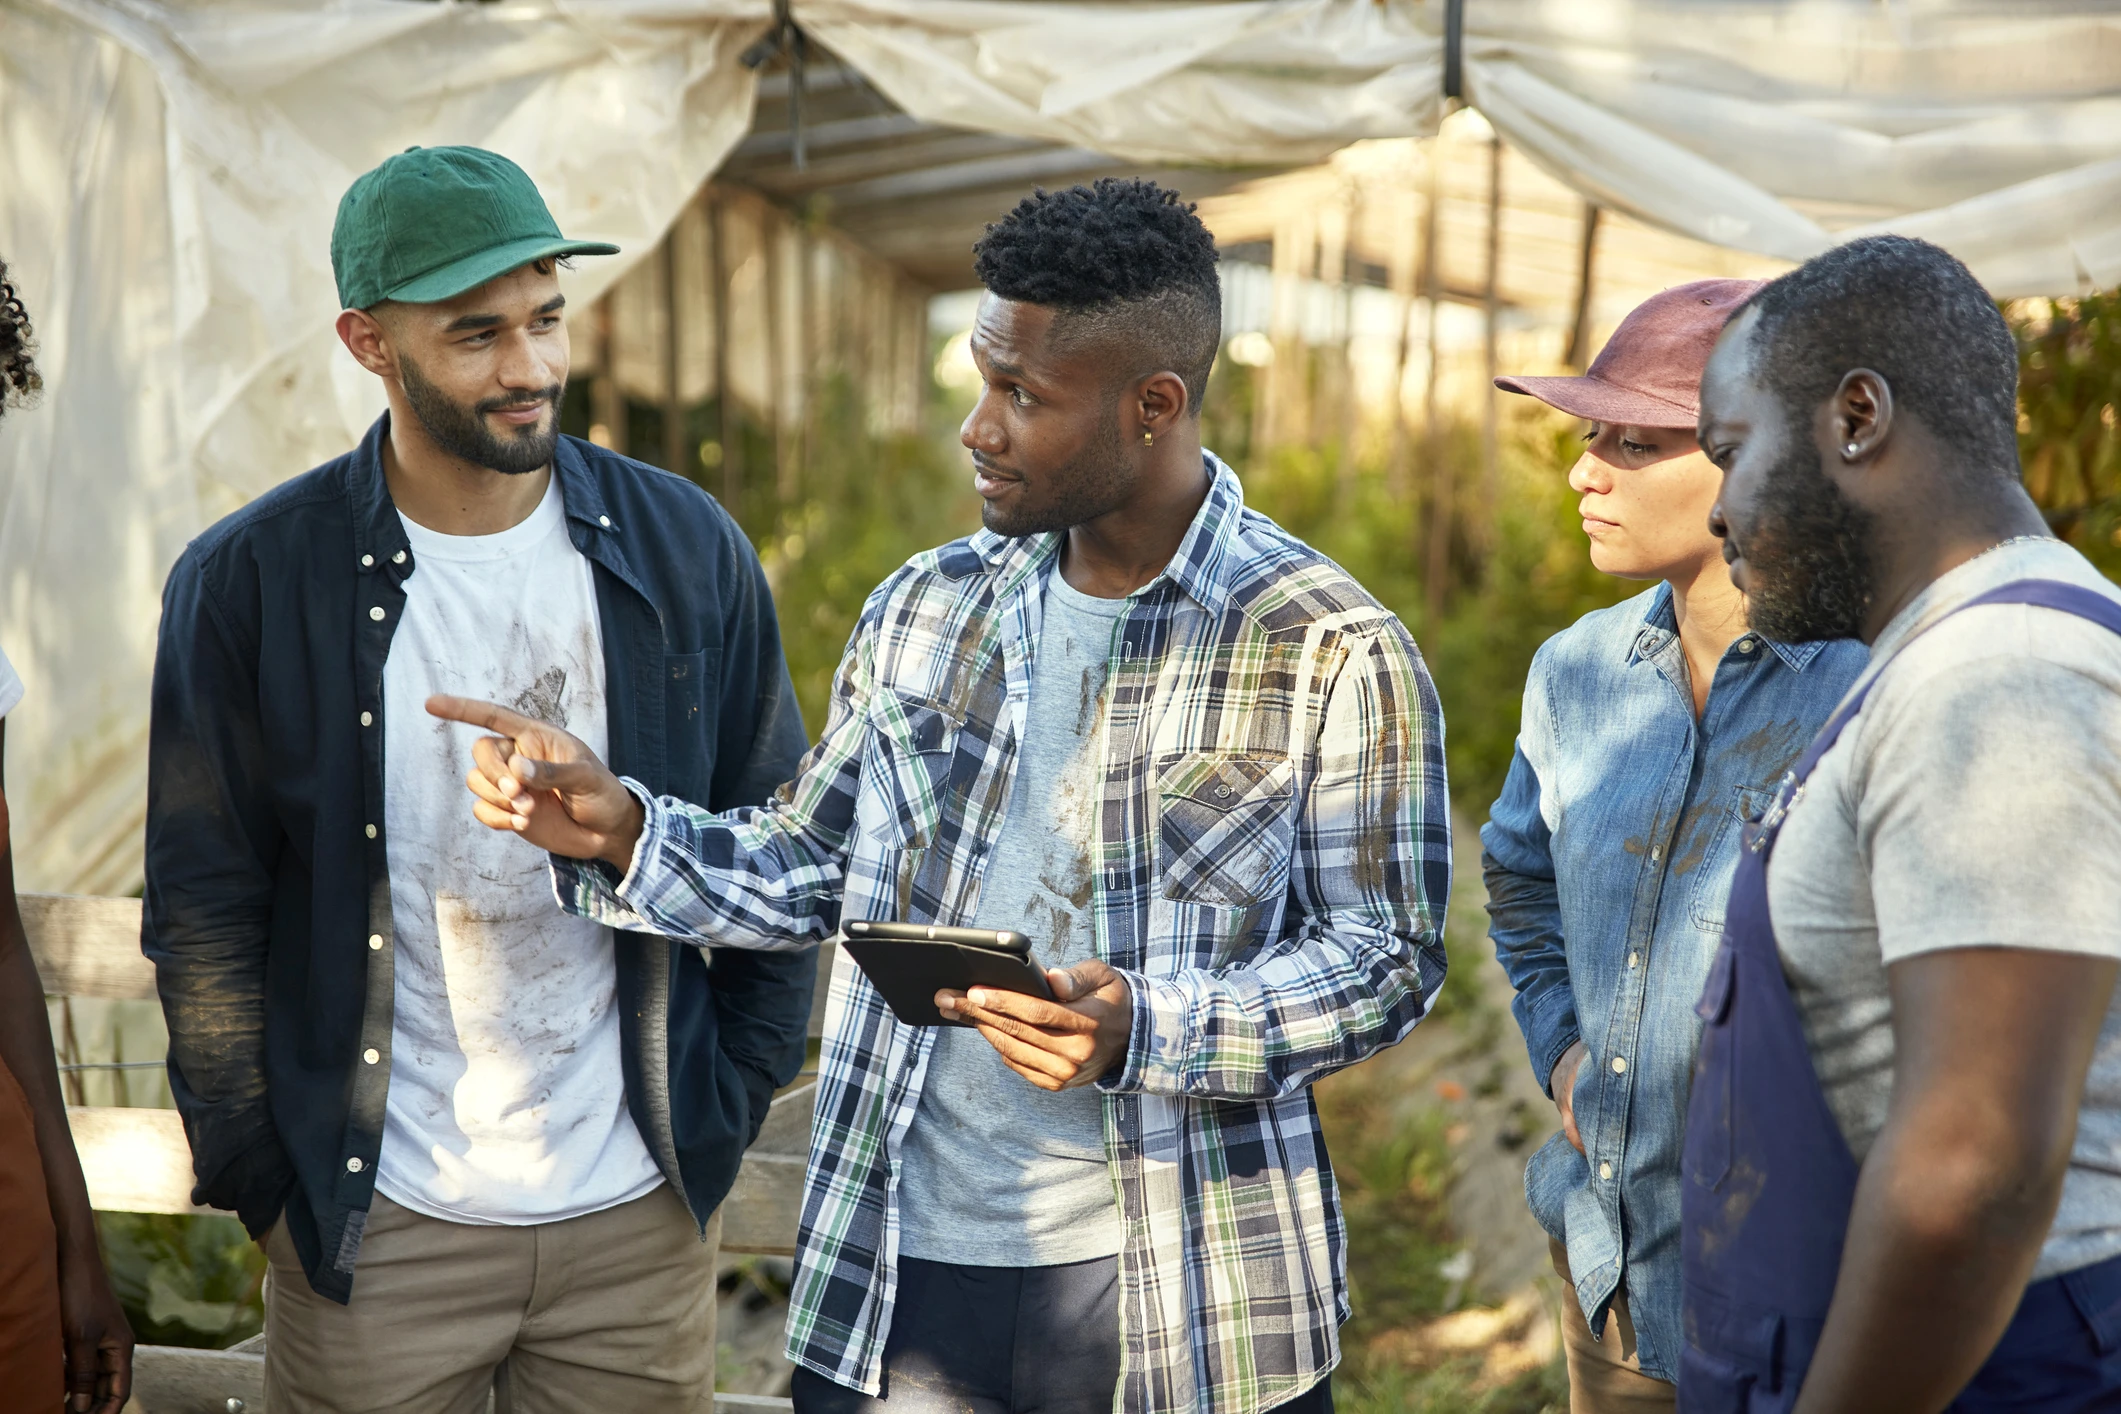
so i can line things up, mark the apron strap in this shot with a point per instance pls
(2041, 593)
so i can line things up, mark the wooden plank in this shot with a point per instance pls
(170, 1380)
(787, 1128)
(88, 947)
(827, 956)
(135, 1160)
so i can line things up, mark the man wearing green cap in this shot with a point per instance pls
(483, 1141)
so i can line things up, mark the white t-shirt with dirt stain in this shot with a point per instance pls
(507, 1100)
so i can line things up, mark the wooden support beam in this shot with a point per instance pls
(677, 454)
(1490, 412)
(1579, 356)
(1436, 563)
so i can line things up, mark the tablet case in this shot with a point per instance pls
(908, 967)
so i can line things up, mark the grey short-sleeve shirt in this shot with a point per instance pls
(1974, 802)
(994, 1171)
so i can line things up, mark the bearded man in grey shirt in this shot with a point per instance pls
(1940, 886)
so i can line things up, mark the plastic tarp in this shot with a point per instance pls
(168, 175)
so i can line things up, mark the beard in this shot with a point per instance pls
(1810, 573)
(462, 431)
(1094, 483)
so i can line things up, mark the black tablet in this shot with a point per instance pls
(910, 962)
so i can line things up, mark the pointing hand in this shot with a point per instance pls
(545, 785)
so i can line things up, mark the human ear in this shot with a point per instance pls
(1861, 415)
(1160, 402)
(363, 335)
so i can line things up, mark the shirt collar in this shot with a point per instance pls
(1660, 626)
(1199, 568)
(379, 536)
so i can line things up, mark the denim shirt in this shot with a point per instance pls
(1607, 859)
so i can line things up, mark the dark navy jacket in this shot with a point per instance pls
(268, 899)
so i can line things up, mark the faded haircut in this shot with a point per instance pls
(1127, 267)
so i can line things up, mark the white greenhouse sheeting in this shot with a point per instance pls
(168, 175)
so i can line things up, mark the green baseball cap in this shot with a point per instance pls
(433, 222)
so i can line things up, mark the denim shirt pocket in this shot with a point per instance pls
(1225, 826)
(1712, 880)
(912, 746)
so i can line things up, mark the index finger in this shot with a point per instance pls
(490, 715)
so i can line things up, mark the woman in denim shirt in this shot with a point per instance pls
(1651, 729)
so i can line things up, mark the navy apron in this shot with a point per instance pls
(1770, 1180)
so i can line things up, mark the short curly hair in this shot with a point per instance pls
(1911, 312)
(19, 380)
(1127, 265)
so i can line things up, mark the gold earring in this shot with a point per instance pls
(1147, 439)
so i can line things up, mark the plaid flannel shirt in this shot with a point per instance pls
(1275, 859)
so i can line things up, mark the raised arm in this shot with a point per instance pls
(762, 877)
(212, 841)
(1369, 880)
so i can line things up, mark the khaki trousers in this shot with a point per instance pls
(612, 1310)
(1605, 1376)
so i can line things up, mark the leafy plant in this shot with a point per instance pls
(2069, 386)
(185, 1280)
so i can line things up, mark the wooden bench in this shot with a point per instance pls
(137, 1160)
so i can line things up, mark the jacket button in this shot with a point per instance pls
(1605, 1171)
(371, 831)
(1745, 645)
(604, 521)
(367, 560)
(1633, 959)
(375, 942)
(376, 613)
(353, 1165)
(398, 559)
(371, 1055)
(1620, 1065)
(368, 719)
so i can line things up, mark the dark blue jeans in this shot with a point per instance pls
(1000, 1340)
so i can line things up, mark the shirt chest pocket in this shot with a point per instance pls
(1226, 826)
(913, 746)
(1719, 861)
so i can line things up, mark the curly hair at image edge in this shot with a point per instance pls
(18, 374)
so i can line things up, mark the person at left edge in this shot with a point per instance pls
(485, 1141)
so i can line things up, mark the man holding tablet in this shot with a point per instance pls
(1183, 753)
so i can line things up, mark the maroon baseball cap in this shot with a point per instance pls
(1649, 372)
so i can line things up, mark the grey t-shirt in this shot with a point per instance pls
(1974, 802)
(996, 1172)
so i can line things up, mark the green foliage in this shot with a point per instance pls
(2069, 386)
(868, 502)
(1517, 574)
(195, 1281)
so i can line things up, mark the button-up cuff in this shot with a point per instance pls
(591, 888)
(1154, 1057)
(1558, 1041)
